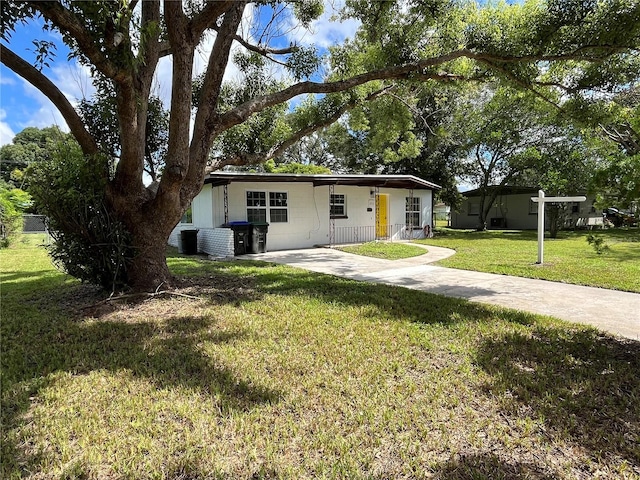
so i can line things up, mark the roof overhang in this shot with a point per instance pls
(383, 181)
(506, 190)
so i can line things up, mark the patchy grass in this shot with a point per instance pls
(385, 250)
(569, 258)
(276, 372)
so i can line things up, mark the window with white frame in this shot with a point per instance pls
(412, 211)
(188, 216)
(533, 207)
(278, 207)
(338, 205)
(256, 206)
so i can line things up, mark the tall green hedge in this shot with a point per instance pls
(89, 243)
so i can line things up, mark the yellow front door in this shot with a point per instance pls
(382, 215)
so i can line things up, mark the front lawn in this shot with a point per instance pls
(569, 258)
(275, 372)
(385, 250)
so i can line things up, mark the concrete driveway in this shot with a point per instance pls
(609, 310)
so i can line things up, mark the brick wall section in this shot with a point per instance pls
(212, 241)
(216, 241)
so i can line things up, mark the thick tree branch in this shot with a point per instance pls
(207, 17)
(132, 104)
(325, 122)
(279, 149)
(242, 112)
(150, 47)
(522, 84)
(407, 71)
(42, 83)
(205, 118)
(266, 51)
(628, 139)
(164, 49)
(66, 21)
(181, 41)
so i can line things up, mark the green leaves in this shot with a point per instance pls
(29, 146)
(308, 10)
(89, 242)
(44, 51)
(13, 202)
(303, 62)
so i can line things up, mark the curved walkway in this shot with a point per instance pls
(610, 310)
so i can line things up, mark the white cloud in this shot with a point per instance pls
(6, 134)
(325, 31)
(5, 80)
(73, 80)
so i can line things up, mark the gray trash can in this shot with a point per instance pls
(259, 237)
(189, 242)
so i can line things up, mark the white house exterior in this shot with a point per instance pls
(303, 211)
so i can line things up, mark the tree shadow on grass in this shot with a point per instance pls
(389, 301)
(585, 385)
(38, 341)
(527, 235)
(490, 466)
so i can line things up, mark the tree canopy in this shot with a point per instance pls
(613, 123)
(31, 145)
(564, 45)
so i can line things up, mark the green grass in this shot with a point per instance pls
(385, 250)
(569, 258)
(277, 372)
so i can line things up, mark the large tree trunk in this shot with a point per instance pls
(150, 220)
(555, 215)
(149, 271)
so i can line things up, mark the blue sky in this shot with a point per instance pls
(21, 105)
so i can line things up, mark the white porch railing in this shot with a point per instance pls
(369, 233)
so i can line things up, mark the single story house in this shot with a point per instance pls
(303, 211)
(514, 210)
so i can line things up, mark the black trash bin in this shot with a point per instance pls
(259, 237)
(189, 242)
(241, 234)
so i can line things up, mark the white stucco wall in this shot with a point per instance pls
(308, 211)
(202, 208)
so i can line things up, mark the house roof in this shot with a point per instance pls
(388, 181)
(507, 190)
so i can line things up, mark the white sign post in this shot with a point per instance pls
(541, 200)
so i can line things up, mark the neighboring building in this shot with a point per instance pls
(308, 210)
(514, 210)
(442, 214)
